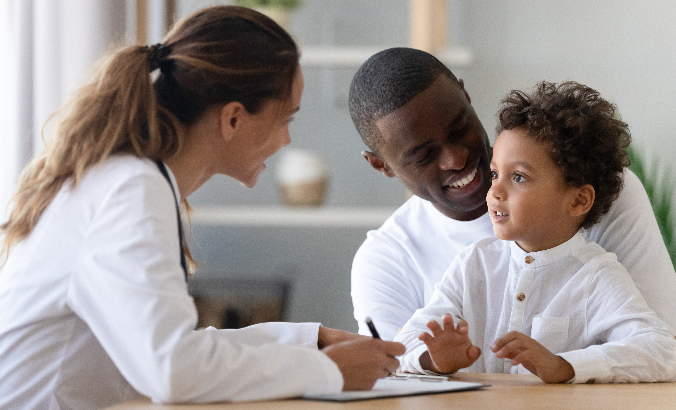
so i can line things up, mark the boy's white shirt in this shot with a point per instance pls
(575, 298)
(397, 266)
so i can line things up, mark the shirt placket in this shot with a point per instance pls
(519, 299)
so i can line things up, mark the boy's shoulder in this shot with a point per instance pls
(486, 247)
(593, 253)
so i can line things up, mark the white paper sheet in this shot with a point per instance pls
(393, 387)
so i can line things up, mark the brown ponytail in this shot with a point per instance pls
(215, 56)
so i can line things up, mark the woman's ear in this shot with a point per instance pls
(582, 201)
(378, 163)
(233, 115)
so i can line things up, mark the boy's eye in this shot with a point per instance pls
(494, 175)
(518, 178)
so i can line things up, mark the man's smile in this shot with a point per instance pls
(465, 180)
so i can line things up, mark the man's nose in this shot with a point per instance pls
(453, 157)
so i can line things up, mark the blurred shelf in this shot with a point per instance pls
(280, 216)
(355, 56)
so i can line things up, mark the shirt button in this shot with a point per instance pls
(529, 259)
(520, 297)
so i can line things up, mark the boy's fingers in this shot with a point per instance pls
(463, 327)
(503, 340)
(448, 321)
(435, 327)
(425, 337)
(473, 352)
(509, 350)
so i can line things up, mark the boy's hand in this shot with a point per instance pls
(448, 349)
(525, 351)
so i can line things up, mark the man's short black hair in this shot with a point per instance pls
(386, 82)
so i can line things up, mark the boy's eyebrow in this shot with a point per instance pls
(524, 164)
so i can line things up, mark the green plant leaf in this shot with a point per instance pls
(661, 193)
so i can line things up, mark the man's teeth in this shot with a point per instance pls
(466, 180)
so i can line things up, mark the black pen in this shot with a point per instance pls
(372, 328)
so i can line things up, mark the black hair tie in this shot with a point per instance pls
(157, 55)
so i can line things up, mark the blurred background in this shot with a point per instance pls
(253, 248)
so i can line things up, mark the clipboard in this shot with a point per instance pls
(401, 384)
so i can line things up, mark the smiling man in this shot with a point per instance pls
(419, 125)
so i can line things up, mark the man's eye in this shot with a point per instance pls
(424, 158)
(494, 175)
(459, 130)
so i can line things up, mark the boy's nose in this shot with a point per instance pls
(496, 192)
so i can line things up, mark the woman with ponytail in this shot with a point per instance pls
(94, 308)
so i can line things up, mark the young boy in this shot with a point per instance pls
(540, 297)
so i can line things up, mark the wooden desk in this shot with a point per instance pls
(518, 392)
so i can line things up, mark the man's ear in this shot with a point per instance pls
(377, 163)
(462, 87)
(582, 201)
(233, 115)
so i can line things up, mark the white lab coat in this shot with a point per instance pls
(94, 310)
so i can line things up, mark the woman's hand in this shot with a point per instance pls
(448, 349)
(327, 337)
(364, 360)
(522, 350)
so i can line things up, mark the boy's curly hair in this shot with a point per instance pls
(588, 142)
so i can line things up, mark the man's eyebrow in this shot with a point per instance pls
(459, 116)
(411, 152)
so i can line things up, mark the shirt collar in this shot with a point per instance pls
(541, 258)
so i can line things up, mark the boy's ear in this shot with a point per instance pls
(378, 163)
(582, 201)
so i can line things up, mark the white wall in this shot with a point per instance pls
(624, 49)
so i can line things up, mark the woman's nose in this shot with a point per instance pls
(286, 138)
